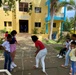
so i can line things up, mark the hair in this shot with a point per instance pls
(74, 35)
(73, 42)
(34, 38)
(13, 32)
(6, 32)
(69, 39)
(9, 36)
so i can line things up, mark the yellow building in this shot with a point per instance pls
(32, 21)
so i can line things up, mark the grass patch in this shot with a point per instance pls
(58, 48)
(1, 51)
(1, 41)
(50, 41)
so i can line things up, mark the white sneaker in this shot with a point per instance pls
(12, 67)
(13, 64)
(60, 56)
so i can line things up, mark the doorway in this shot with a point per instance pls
(23, 26)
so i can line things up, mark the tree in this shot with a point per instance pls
(55, 6)
(10, 3)
(68, 24)
(72, 6)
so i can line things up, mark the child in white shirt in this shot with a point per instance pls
(6, 47)
(64, 49)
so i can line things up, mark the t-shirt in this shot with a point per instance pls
(6, 44)
(39, 44)
(70, 44)
(66, 44)
(6, 34)
(72, 55)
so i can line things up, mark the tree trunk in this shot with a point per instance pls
(51, 24)
(75, 22)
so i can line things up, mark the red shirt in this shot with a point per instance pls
(39, 44)
(6, 34)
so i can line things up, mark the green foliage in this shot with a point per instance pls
(67, 25)
(72, 5)
(1, 51)
(3, 31)
(30, 6)
(1, 40)
(35, 30)
(58, 48)
(63, 38)
(0, 3)
(47, 41)
(72, 2)
(10, 3)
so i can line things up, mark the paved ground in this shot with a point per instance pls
(25, 59)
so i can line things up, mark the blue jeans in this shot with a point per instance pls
(7, 62)
(67, 58)
(73, 67)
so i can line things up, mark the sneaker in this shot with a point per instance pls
(60, 56)
(44, 72)
(13, 64)
(12, 67)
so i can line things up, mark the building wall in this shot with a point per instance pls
(5, 17)
(56, 30)
(39, 17)
(17, 15)
(34, 17)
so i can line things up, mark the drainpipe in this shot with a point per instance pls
(48, 17)
(64, 20)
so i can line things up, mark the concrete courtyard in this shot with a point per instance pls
(25, 59)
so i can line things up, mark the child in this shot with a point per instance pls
(73, 57)
(6, 47)
(13, 48)
(64, 49)
(67, 53)
(40, 53)
(5, 35)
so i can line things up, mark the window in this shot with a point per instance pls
(54, 24)
(37, 9)
(37, 24)
(5, 24)
(9, 23)
(23, 7)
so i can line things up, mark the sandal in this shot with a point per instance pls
(64, 66)
(35, 67)
(70, 73)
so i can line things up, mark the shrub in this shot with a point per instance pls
(35, 31)
(1, 40)
(3, 31)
